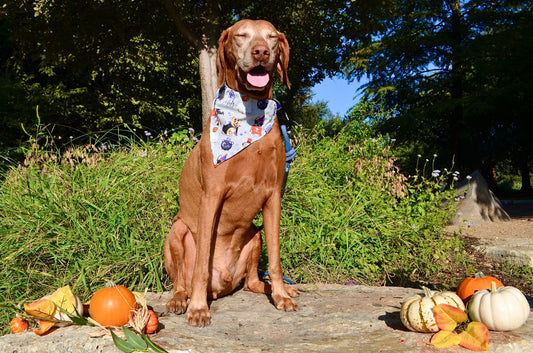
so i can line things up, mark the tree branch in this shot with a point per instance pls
(182, 28)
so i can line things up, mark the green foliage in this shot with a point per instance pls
(525, 273)
(348, 215)
(455, 72)
(90, 214)
(100, 212)
(92, 65)
(308, 114)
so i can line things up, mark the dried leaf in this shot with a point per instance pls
(448, 317)
(42, 308)
(64, 299)
(47, 308)
(445, 339)
(475, 337)
(44, 327)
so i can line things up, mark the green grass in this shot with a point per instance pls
(89, 214)
(348, 216)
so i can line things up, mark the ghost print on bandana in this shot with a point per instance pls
(237, 121)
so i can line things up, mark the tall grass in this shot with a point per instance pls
(88, 214)
(350, 216)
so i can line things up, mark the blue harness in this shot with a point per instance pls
(289, 150)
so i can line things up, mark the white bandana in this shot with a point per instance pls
(237, 121)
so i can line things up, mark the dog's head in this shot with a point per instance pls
(248, 54)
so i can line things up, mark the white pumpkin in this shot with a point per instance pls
(417, 314)
(500, 309)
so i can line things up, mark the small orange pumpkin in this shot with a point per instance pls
(152, 323)
(470, 285)
(18, 325)
(111, 305)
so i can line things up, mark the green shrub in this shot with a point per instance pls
(88, 214)
(350, 216)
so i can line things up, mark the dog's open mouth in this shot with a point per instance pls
(258, 77)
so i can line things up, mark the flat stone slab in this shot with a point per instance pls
(503, 242)
(513, 254)
(331, 318)
(516, 251)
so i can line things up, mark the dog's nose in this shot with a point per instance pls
(260, 52)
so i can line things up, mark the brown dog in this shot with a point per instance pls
(213, 243)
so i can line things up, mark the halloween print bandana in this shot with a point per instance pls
(237, 121)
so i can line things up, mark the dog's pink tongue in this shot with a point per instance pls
(257, 79)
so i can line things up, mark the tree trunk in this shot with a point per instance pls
(208, 78)
(206, 43)
(456, 89)
(526, 181)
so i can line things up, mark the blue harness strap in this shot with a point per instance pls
(289, 150)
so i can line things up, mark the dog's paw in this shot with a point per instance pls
(285, 303)
(178, 304)
(198, 317)
(257, 286)
(292, 290)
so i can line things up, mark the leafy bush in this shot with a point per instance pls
(99, 212)
(350, 216)
(87, 215)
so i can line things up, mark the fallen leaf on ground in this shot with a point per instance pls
(475, 337)
(42, 308)
(64, 299)
(448, 317)
(47, 308)
(445, 339)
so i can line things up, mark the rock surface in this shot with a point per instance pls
(504, 241)
(479, 204)
(332, 318)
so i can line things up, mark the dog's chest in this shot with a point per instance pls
(254, 171)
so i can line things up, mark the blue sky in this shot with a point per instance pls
(338, 93)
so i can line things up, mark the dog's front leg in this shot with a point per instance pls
(271, 217)
(198, 312)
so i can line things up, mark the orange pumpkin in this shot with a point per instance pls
(470, 285)
(18, 325)
(111, 305)
(152, 323)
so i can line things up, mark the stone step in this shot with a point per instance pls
(331, 318)
(513, 254)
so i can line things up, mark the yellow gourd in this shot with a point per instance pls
(417, 314)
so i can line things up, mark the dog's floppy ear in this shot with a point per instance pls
(283, 60)
(221, 57)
